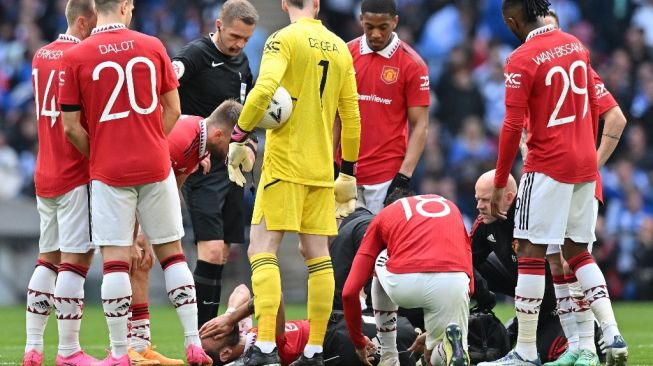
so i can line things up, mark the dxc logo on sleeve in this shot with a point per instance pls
(513, 80)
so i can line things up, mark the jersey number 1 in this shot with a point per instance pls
(325, 70)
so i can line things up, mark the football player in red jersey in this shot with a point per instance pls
(393, 94)
(415, 269)
(549, 85)
(125, 84)
(191, 142)
(61, 179)
(576, 317)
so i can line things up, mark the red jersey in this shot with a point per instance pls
(389, 82)
(187, 143)
(422, 234)
(549, 77)
(117, 76)
(60, 167)
(295, 338)
(606, 102)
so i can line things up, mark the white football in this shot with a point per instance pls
(278, 111)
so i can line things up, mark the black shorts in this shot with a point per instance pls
(215, 205)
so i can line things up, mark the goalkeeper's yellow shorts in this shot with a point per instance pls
(288, 206)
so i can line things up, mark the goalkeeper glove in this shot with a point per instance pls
(345, 190)
(238, 156)
(399, 188)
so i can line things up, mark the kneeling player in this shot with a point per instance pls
(424, 261)
(190, 142)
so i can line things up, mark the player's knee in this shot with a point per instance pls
(526, 249)
(78, 259)
(51, 257)
(212, 251)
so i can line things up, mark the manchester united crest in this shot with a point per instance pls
(390, 74)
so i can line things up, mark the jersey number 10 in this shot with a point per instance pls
(127, 73)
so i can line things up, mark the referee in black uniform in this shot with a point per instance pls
(210, 70)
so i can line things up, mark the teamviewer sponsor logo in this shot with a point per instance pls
(513, 80)
(374, 98)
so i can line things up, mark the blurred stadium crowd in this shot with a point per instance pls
(465, 44)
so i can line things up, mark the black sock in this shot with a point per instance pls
(208, 284)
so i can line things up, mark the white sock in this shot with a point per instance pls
(528, 298)
(565, 312)
(310, 350)
(385, 316)
(139, 321)
(181, 292)
(592, 281)
(39, 304)
(69, 305)
(116, 300)
(438, 356)
(140, 335)
(265, 346)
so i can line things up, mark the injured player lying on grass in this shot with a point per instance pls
(227, 337)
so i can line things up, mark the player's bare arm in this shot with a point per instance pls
(74, 131)
(221, 326)
(171, 110)
(613, 125)
(418, 117)
(510, 136)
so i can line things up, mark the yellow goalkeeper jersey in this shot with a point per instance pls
(316, 68)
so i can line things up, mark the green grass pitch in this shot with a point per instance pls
(635, 320)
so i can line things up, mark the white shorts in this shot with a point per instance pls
(552, 249)
(372, 196)
(65, 222)
(114, 211)
(549, 211)
(443, 296)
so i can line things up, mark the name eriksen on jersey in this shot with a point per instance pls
(557, 52)
(116, 47)
(49, 54)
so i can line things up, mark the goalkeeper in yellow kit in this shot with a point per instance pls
(296, 191)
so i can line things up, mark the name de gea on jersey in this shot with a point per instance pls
(116, 47)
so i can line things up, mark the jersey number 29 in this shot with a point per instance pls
(567, 80)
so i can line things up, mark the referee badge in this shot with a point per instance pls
(179, 68)
(390, 74)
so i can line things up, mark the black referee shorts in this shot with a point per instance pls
(215, 205)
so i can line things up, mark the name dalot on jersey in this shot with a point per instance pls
(116, 47)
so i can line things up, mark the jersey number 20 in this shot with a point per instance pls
(127, 73)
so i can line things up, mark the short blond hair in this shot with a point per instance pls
(242, 10)
(225, 115)
(77, 8)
